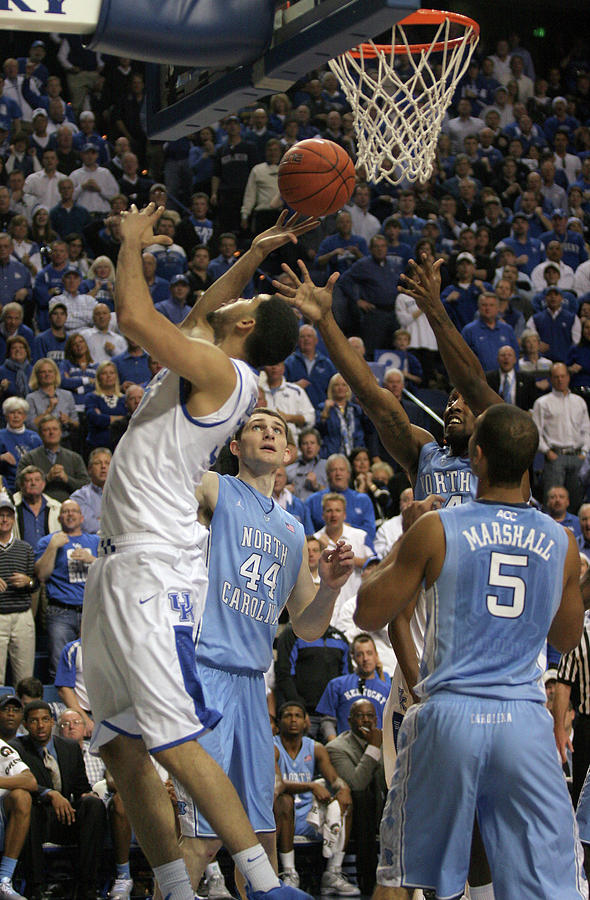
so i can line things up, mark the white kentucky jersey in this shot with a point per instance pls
(162, 457)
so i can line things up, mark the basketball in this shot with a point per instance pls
(316, 177)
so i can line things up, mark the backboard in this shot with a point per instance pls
(307, 33)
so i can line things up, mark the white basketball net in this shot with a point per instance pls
(398, 119)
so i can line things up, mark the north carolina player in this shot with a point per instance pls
(16, 784)
(148, 586)
(503, 578)
(430, 468)
(257, 564)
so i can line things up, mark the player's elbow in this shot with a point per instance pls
(567, 635)
(369, 615)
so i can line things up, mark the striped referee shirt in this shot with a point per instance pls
(574, 669)
(16, 556)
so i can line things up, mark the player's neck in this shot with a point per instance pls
(292, 743)
(263, 482)
(233, 346)
(499, 494)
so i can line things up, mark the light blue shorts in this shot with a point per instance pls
(583, 811)
(458, 756)
(241, 744)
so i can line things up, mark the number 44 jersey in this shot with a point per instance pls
(255, 553)
(492, 605)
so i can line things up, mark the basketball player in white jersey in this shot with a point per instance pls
(145, 598)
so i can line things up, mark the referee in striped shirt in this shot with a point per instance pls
(574, 673)
(17, 581)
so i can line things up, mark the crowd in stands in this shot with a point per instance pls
(507, 208)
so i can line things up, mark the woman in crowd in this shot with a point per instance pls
(16, 369)
(363, 481)
(532, 361)
(42, 233)
(15, 439)
(104, 405)
(48, 397)
(338, 419)
(100, 282)
(76, 253)
(78, 372)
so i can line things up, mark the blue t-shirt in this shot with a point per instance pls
(342, 692)
(492, 605)
(67, 581)
(255, 554)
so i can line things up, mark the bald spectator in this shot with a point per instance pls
(64, 469)
(67, 158)
(89, 496)
(557, 502)
(308, 368)
(564, 434)
(103, 342)
(131, 183)
(62, 563)
(71, 725)
(513, 386)
(359, 509)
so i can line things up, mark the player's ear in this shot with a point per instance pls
(246, 325)
(234, 447)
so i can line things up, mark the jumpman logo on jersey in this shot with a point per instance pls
(239, 503)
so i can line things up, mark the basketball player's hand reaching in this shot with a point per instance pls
(138, 226)
(336, 565)
(423, 283)
(284, 230)
(314, 302)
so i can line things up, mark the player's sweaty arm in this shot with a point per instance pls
(463, 367)
(388, 589)
(311, 607)
(402, 439)
(403, 645)
(567, 626)
(231, 284)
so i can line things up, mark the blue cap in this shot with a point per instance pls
(558, 213)
(89, 146)
(179, 279)
(71, 270)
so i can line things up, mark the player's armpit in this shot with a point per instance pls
(568, 624)
(393, 583)
(207, 493)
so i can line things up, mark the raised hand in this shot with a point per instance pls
(314, 302)
(336, 565)
(423, 283)
(139, 226)
(284, 230)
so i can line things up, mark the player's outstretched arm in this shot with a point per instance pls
(200, 362)
(462, 365)
(310, 607)
(388, 589)
(402, 439)
(568, 624)
(231, 284)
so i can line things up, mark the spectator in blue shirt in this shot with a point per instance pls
(16, 369)
(170, 260)
(337, 252)
(66, 216)
(48, 282)
(89, 135)
(572, 243)
(197, 228)
(89, 496)
(561, 120)
(556, 506)
(10, 111)
(308, 368)
(486, 334)
(228, 253)
(51, 343)
(104, 405)
(529, 251)
(15, 439)
(177, 306)
(578, 359)
(62, 561)
(159, 288)
(15, 279)
(132, 366)
(557, 328)
(552, 277)
(339, 419)
(360, 512)
(460, 299)
(412, 224)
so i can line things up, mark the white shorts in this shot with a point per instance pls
(142, 607)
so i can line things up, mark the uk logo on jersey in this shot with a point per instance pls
(181, 602)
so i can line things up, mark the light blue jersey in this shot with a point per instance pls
(439, 472)
(493, 603)
(255, 552)
(299, 770)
